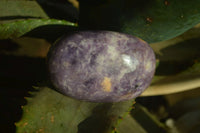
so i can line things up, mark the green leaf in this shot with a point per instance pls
(62, 9)
(147, 120)
(141, 121)
(151, 20)
(194, 69)
(19, 9)
(49, 111)
(21, 27)
(130, 125)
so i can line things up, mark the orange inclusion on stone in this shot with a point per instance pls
(106, 84)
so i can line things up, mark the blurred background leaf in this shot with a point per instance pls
(151, 20)
(130, 125)
(36, 18)
(12, 10)
(21, 27)
(189, 122)
(20, 9)
(62, 9)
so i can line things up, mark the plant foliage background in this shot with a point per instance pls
(29, 27)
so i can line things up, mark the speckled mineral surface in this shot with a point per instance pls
(101, 66)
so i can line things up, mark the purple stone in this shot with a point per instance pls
(101, 66)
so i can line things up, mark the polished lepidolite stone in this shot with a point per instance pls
(101, 66)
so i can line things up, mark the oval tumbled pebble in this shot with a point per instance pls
(101, 66)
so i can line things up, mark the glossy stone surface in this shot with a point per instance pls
(101, 66)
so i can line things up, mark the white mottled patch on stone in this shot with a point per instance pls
(122, 73)
(114, 54)
(85, 42)
(101, 62)
(112, 38)
(72, 44)
(53, 63)
(148, 66)
(139, 84)
(65, 83)
(100, 59)
(66, 64)
(130, 63)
